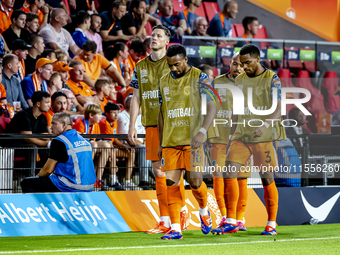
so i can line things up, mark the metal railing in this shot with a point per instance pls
(315, 162)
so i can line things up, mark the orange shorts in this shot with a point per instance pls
(218, 154)
(151, 143)
(183, 158)
(264, 154)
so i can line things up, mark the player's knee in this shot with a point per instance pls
(195, 183)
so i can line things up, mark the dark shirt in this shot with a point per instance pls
(58, 151)
(54, 3)
(81, 6)
(25, 121)
(10, 36)
(107, 22)
(13, 90)
(30, 64)
(129, 21)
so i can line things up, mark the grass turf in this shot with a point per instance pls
(288, 241)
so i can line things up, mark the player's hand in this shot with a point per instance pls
(259, 131)
(132, 135)
(160, 152)
(73, 4)
(197, 140)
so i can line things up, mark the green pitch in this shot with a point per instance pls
(307, 239)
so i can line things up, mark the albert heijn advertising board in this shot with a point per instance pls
(59, 214)
(125, 211)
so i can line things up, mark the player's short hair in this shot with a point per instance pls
(8, 58)
(248, 20)
(30, 16)
(112, 51)
(58, 94)
(74, 63)
(101, 82)
(138, 46)
(292, 113)
(63, 117)
(250, 49)
(164, 28)
(92, 109)
(95, 15)
(82, 16)
(176, 49)
(116, 4)
(16, 14)
(53, 77)
(187, 2)
(38, 96)
(89, 46)
(111, 107)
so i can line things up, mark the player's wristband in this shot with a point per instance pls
(202, 130)
(266, 124)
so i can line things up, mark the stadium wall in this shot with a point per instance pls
(125, 211)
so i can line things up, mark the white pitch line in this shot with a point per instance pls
(167, 246)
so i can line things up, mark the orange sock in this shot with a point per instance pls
(271, 198)
(182, 189)
(231, 194)
(174, 203)
(219, 194)
(201, 195)
(242, 199)
(162, 195)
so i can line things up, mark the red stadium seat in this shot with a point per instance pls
(215, 71)
(234, 31)
(178, 5)
(329, 88)
(148, 28)
(200, 11)
(4, 123)
(261, 33)
(239, 30)
(316, 103)
(211, 8)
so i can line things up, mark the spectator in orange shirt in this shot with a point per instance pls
(137, 50)
(63, 70)
(39, 7)
(103, 92)
(93, 64)
(5, 14)
(59, 104)
(32, 22)
(109, 126)
(89, 125)
(76, 83)
(20, 49)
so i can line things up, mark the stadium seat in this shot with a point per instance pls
(316, 103)
(329, 88)
(211, 8)
(238, 29)
(286, 80)
(4, 123)
(234, 31)
(178, 5)
(200, 11)
(261, 33)
(215, 71)
(148, 28)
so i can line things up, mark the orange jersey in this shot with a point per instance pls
(49, 116)
(26, 8)
(103, 103)
(93, 70)
(132, 65)
(81, 89)
(106, 128)
(5, 18)
(82, 125)
(3, 94)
